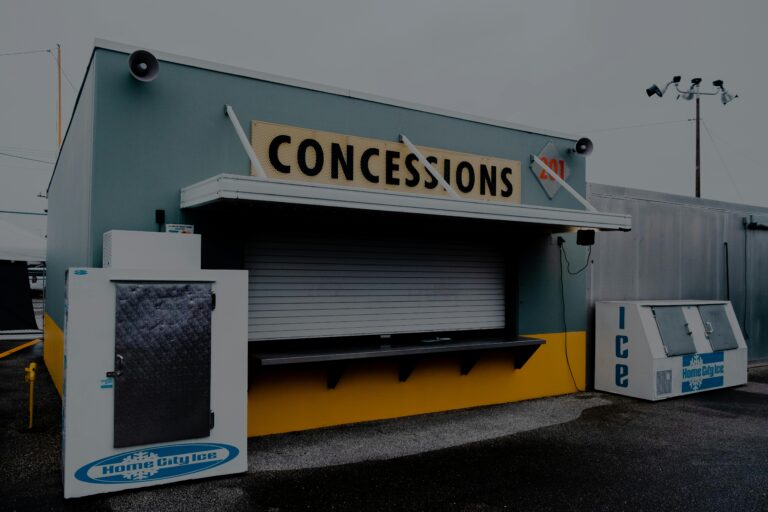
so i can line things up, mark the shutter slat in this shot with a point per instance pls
(304, 288)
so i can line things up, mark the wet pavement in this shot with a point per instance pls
(589, 451)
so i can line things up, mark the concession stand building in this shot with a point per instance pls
(401, 260)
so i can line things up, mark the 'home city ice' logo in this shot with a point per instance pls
(703, 371)
(156, 463)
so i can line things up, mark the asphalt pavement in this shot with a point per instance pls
(589, 451)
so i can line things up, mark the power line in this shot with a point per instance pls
(27, 52)
(722, 161)
(741, 154)
(33, 151)
(16, 164)
(20, 168)
(625, 127)
(565, 323)
(26, 158)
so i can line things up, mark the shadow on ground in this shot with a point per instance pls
(702, 452)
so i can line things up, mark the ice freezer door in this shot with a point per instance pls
(162, 362)
(717, 327)
(674, 331)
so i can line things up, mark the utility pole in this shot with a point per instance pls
(692, 92)
(58, 121)
(698, 146)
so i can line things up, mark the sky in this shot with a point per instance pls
(579, 67)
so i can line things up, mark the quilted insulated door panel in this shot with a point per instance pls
(162, 362)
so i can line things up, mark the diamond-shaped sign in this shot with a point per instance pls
(555, 160)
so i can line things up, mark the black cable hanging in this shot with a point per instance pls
(562, 302)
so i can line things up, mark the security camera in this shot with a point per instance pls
(726, 97)
(718, 83)
(143, 66)
(654, 89)
(676, 79)
(691, 92)
(695, 81)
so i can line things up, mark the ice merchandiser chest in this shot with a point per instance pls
(155, 373)
(662, 349)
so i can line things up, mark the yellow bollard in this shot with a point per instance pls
(30, 372)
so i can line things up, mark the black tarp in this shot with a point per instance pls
(16, 311)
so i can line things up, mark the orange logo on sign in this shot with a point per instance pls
(553, 158)
(556, 165)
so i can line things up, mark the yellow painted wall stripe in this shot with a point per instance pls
(291, 399)
(53, 352)
(285, 400)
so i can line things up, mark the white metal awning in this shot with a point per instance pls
(250, 188)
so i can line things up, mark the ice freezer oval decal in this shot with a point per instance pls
(156, 463)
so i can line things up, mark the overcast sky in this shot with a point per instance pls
(579, 67)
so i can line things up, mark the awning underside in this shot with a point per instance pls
(249, 188)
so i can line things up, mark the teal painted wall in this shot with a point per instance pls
(69, 202)
(540, 296)
(152, 139)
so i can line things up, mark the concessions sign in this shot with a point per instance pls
(292, 153)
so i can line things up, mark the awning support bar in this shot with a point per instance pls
(244, 141)
(428, 166)
(561, 181)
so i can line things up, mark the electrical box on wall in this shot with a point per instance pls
(662, 349)
(150, 250)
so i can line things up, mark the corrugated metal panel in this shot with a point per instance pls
(676, 250)
(309, 288)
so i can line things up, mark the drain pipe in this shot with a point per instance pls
(751, 223)
(727, 273)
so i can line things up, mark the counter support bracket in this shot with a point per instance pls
(335, 360)
(468, 361)
(523, 354)
(407, 365)
(334, 374)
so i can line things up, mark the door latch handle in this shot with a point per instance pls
(119, 366)
(708, 328)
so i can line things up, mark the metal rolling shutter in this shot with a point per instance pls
(302, 288)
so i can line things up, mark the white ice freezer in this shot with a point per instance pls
(662, 349)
